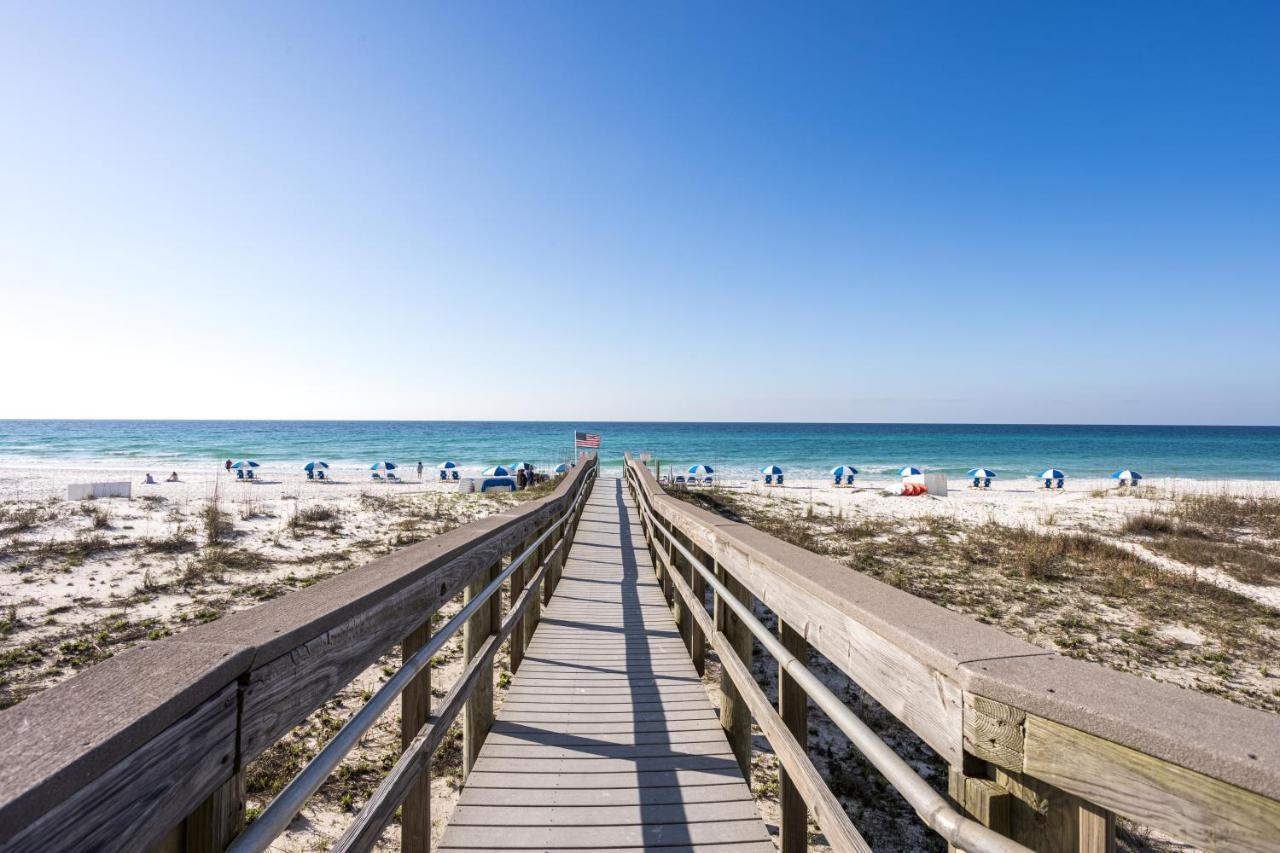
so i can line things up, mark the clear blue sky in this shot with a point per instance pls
(1022, 212)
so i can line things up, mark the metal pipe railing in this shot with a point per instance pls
(280, 812)
(932, 807)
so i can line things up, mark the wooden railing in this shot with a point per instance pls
(147, 750)
(1044, 751)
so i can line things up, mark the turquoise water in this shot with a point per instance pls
(734, 449)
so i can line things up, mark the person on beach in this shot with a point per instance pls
(520, 479)
(228, 466)
(150, 481)
(173, 478)
(419, 469)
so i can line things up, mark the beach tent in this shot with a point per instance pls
(497, 471)
(561, 468)
(315, 466)
(910, 471)
(1126, 474)
(446, 465)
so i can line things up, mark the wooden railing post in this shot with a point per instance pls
(735, 715)
(516, 642)
(993, 789)
(534, 611)
(548, 582)
(218, 820)
(697, 642)
(479, 713)
(415, 710)
(683, 617)
(793, 707)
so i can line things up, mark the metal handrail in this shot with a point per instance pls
(280, 812)
(932, 807)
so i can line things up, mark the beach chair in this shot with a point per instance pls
(779, 479)
(986, 483)
(239, 474)
(248, 475)
(393, 477)
(1048, 484)
(454, 472)
(680, 480)
(320, 474)
(376, 475)
(849, 480)
(444, 475)
(310, 476)
(768, 479)
(707, 481)
(977, 483)
(1062, 483)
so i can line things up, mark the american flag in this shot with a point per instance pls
(586, 439)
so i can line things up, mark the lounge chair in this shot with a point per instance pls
(986, 482)
(376, 475)
(977, 483)
(768, 479)
(454, 472)
(320, 475)
(444, 475)
(1062, 483)
(248, 475)
(779, 479)
(1048, 484)
(239, 474)
(310, 475)
(707, 481)
(680, 480)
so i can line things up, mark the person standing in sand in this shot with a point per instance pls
(228, 466)
(419, 470)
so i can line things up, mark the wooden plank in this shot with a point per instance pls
(1187, 805)
(604, 816)
(133, 805)
(647, 835)
(725, 791)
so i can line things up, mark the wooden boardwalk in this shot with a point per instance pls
(607, 739)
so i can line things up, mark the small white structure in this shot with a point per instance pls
(84, 491)
(935, 483)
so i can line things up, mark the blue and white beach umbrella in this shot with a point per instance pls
(843, 471)
(701, 469)
(315, 466)
(447, 465)
(383, 466)
(245, 463)
(984, 473)
(1126, 474)
(497, 471)
(561, 468)
(910, 471)
(772, 470)
(1052, 474)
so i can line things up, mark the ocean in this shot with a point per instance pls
(733, 449)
